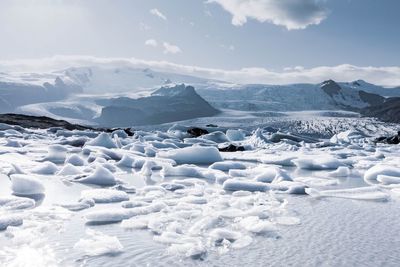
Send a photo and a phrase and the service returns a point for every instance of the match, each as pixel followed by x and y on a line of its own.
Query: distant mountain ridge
pixel 59 94
pixel 167 104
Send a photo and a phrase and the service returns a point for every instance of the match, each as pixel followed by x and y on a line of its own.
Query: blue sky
pixel 226 34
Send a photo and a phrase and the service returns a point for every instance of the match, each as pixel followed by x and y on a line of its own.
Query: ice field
pixel 315 192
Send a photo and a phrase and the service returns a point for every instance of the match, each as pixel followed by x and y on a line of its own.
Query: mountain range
pixel 106 95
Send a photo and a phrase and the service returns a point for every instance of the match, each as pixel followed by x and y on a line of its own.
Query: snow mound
pixel 242 185
pixel 342 171
pixel 101 176
pixel 227 165
pixel 359 193
pixel 46 168
pixel 56 154
pixel 192 155
pixel 371 175
pixel 75 160
pixel 23 184
pixel 323 163
pixel 104 195
pixel 10 220
pixel 103 140
pixel 96 243
pixel 16 203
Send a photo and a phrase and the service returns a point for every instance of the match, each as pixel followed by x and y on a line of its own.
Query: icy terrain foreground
pixel 165 198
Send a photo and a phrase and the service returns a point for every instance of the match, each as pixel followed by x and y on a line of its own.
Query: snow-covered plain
pixel 307 191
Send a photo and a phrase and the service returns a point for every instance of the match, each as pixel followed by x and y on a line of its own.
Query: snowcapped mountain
pixel 167 104
pixel 21 89
pixel 102 80
pixel 81 94
pixel 327 95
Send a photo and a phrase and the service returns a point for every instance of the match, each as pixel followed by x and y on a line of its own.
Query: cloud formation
pixel 171 49
pixel 387 76
pixel 158 13
pixel 292 14
pixel 151 42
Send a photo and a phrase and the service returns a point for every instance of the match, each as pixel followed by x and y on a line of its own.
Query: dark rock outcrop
pixel 196 132
pixel 231 148
pixel 40 122
pixel 388 111
pixel 167 104
pixel 393 140
pixel 330 87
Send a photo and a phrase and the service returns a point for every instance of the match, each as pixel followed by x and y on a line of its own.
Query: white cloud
pixel 292 14
pixel 171 49
pixel 158 13
pixel 151 42
pixel 144 27
pixel 388 76
pixel 227 47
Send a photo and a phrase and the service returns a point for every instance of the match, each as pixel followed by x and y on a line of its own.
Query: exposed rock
pixel 167 104
pixel 231 148
pixel 331 87
pixel 388 111
pixel 393 140
pixel 41 122
pixel 196 132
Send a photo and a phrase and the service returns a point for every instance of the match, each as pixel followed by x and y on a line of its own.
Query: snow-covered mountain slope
pixel 293 97
pixel 371 88
pixel 56 94
pixel 22 89
pixel 97 79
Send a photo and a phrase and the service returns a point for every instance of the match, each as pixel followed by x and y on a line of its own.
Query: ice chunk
pixel 81 205
pixel 135 223
pixel 217 137
pixel 117 215
pixel 235 135
pixel 15 169
pixel 192 155
pixel 104 195
pixel 9 220
pixel 342 171
pixel 359 193
pixel 242 185
pixel 101 176
pixel 68 170
pixel 193 171
pixel 103 140
pixel 263 174
pixel 346 137
pixel 255 225
pixel 219 234
pixel 75 160
pixel 227 165
pixel 107 216
pixel 371 175
pixel 15 203
pixel 23 184
pixel 56 154
pixel 126 161
pixel 317 163
pixel 46 168
pixel 278 160
pixel 388 180
pixel 98 243
pixel 12 143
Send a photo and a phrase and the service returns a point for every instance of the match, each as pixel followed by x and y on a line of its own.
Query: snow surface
pixel 160 197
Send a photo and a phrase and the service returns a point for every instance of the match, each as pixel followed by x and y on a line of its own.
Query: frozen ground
pixel 317 192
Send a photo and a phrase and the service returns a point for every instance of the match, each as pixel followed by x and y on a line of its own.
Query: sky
pixel 277 36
